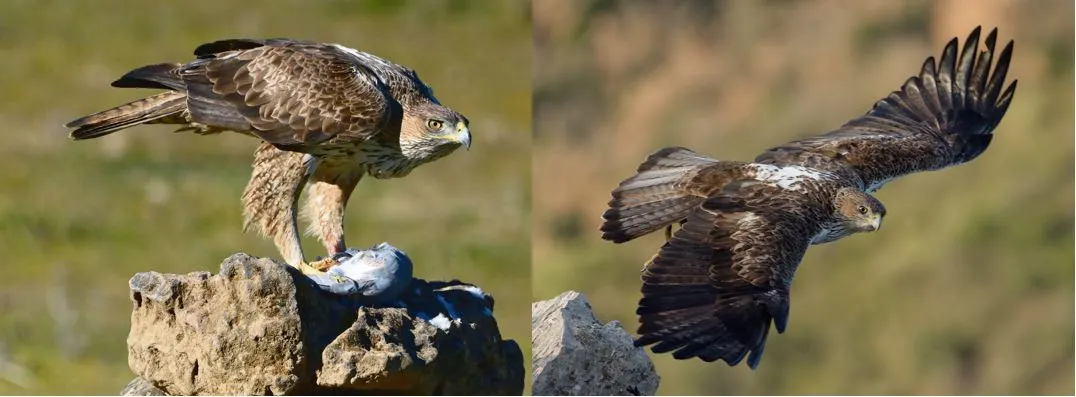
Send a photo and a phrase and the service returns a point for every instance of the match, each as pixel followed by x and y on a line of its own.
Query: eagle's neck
pixel 384 161
pixel 830 232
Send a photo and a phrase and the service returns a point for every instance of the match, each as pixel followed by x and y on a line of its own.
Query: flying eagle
pixel 716 285
pixel 327 115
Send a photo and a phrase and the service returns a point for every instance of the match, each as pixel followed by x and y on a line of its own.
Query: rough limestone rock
pixel 262 328
pixel 576 355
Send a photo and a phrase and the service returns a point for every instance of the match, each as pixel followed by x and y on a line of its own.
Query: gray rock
pixel 141 387
pixel 574 354
pixel 261 327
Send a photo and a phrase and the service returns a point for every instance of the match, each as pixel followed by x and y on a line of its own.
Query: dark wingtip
pixel 611 229
pixel 87 133
pixel 149 76
pixel 81 126
pixel 615 237
pixel 953 44
pixel 929 68
pixel 219 46
pixel 753 360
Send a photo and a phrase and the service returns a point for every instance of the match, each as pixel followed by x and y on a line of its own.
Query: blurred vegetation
pixel 77 219
pixel 969 287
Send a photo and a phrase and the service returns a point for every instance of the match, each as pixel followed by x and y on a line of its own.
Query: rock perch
pixel 262 328
pixel 575 355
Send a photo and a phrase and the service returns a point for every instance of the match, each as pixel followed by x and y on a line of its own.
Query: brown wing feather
pixel 662 191
pixel 714 289
pixel 943 117
pixel 293 94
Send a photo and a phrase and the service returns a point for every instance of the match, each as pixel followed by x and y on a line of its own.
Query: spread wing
pixel 715 287
pixel 293 94
pixel 943 117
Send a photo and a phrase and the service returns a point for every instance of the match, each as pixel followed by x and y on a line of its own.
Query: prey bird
pixel 326 115
pixel 720 281
pixel 375 276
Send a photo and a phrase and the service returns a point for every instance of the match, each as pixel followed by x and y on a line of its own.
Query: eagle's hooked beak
pixel 463 135
pixel 876 222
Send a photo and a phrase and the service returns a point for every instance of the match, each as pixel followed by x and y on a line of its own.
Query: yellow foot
pixel 333 283
pixel 308 268
pixel 324 265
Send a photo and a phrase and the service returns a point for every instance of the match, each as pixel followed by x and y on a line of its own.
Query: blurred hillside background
pixel 77 219
pixel 968 289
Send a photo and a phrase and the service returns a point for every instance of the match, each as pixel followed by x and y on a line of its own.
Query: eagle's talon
pixel 333 283
pixel 325 264
pixel 307 268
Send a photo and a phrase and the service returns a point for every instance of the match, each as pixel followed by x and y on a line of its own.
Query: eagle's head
pixel 859 211
pixel 430 131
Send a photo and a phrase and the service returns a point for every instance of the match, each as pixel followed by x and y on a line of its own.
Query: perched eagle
pixel 716 285
pixel 327 115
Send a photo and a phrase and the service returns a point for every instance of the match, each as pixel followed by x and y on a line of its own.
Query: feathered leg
pixel 271 203
pixel 271 200
pixel 327 197
pixel 272 195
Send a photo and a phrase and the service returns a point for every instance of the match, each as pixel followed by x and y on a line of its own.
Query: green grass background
pixel 77 219
pixel 967 289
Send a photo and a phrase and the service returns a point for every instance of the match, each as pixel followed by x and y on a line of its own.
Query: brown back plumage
pixel 290 93
pixel 296 95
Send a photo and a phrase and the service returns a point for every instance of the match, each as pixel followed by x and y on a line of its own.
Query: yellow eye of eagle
pixel 434 124
pixel 863 210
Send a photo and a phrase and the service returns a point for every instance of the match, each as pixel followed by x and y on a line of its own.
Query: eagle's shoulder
pixel 403 81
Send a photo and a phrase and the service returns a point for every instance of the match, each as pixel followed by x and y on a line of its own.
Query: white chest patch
pixel 785 177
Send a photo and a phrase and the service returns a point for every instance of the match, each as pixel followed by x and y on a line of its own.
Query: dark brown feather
pixel 943 117
pixel 294 94
pixel 275 90
pixel 714 289
pixel 666 187
pixel 162 75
